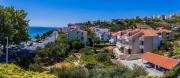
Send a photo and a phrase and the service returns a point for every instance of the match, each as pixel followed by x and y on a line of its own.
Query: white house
pixel 103 34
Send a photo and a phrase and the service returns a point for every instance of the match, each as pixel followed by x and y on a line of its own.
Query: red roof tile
pixel 160 60
pixel 92 28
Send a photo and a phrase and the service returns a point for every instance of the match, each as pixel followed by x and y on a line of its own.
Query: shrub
pixel 103 57
pixel 172 73
pixel 13 71
pixel 71 73
pixel 88 59
pixel 87 51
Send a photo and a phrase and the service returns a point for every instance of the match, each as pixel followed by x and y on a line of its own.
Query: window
pixel 82 38
pixel 134 40
pixel 159 33
pixel 142 42
pixel 167 35
pixel 129 51
pixel 129 34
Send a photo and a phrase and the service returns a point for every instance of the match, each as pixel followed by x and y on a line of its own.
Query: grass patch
pixel 61 37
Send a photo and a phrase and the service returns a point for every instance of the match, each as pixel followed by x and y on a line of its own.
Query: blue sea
pixel 34 31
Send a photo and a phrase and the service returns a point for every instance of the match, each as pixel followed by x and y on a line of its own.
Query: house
pixel 160 62
pixel 75 26
pixel 78 34
pixel 164 33
pixel 113 39
pixel 103 34
pixel 133 41
pixel 64 29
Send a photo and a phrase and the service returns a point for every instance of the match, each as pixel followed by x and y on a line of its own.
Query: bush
pixel 172 73
pixel 76 44
pixel 138 71
pixel 88 59
pixel 51 53
pixel 13 71
pixel 103 57
pixel 71 73
pixel 87 51
pixel 36 67
pixel 117 71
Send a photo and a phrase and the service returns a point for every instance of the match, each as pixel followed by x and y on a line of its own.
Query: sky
pixel 61 12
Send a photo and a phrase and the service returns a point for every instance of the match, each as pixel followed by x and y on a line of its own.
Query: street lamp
pixel 7 50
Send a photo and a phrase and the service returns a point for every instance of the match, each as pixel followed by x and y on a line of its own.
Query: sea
pixel 34 31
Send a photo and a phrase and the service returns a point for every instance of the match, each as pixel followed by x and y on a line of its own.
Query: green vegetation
pixel 43 36
pixel 61 37
pixel 172 73
pixel 51 53
pixel 110 72
pixel 69 59
pixel 13 25
pixel 13 71
pixel 103 57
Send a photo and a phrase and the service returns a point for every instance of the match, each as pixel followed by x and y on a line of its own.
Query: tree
pixel 51 53
pixel 93 38
pixel 14 25
pixel 76 44
pixel 38 37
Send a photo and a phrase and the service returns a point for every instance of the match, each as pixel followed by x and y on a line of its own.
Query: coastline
pixel 33 31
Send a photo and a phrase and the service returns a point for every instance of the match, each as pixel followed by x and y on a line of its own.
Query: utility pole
pixel 7 46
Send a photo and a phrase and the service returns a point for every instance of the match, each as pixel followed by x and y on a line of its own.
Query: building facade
pixel 133 41
pixel 77 35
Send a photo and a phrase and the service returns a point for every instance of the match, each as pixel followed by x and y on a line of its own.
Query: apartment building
pixel 133 41
pixel 104 36
pixel 76 32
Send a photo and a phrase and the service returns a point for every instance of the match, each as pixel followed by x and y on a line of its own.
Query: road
pixel 44 42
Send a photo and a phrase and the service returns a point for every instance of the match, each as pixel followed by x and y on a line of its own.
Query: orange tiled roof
pixel 163 30
pixel 92 28
pixel 149 32
pixel 162 61
pixel 146 32
pixel 114 34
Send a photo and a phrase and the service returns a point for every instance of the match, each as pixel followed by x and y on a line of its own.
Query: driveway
pixel 139 62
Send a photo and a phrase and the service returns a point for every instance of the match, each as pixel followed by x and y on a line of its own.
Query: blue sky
pixel 62 12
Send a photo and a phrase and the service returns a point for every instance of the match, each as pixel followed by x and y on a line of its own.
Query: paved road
pixel 44 42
